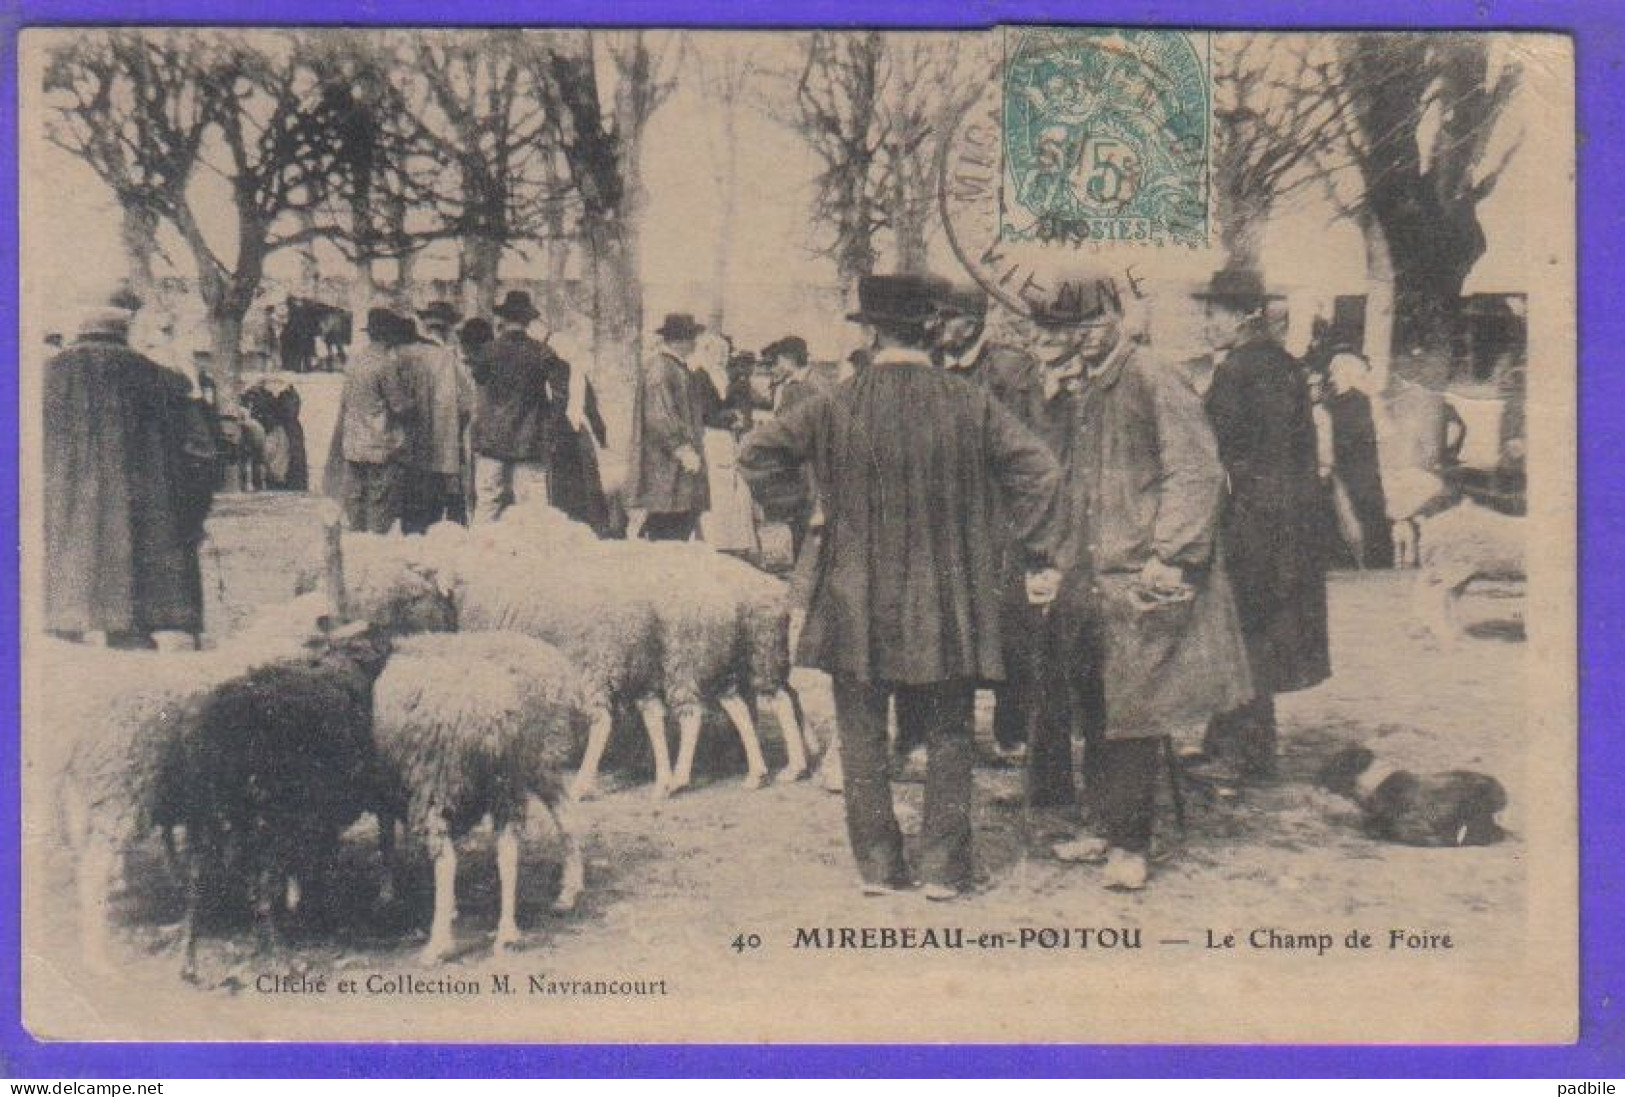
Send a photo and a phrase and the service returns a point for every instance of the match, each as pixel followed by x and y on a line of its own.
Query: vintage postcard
pixel 1037 534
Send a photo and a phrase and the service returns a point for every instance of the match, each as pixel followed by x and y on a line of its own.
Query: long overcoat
pixel 666 417
pixel 129 477
pixel 1144 481
pixel 909 460
pixel 1260 409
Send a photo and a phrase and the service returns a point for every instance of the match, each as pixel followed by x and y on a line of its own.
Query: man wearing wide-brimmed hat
pixel 1145 623
pixel 667 478
pixel 129 477
pixel 443 393
pixel 523 392
pixel 909 460
pixel 374 413
pixel 1261 412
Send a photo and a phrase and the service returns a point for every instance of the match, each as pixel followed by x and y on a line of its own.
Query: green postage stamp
pixel 1106 135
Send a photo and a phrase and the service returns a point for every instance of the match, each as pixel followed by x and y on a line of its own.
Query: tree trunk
pixel 481 258
pixel 728 189
pixel 912 254
pixel 225 344
pixel 406 269
pixel 139 234
pixel 364 289
pixel 615 302
pixel 1379 294
pixel 310 272
pixel 1242 223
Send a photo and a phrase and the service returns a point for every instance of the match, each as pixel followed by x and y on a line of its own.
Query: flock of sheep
pixel 432 682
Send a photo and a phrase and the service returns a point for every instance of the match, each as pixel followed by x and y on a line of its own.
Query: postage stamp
pixel 1105 135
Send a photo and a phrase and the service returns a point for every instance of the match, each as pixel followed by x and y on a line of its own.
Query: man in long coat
pixel 667 478
pixel 905 600
pixel 1016 379
pixel 374 411
pixel 129 478
pixel 443 394
pixel 1145 586
pixel 1260 409
pixel 520 413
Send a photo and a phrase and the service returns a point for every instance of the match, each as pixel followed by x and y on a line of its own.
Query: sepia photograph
pixel 1025 535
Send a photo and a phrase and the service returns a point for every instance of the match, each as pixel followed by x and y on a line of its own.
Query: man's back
pixel 376 402
pixel 441 394
pixel 910 460
pixel 128 480
pixel 519 382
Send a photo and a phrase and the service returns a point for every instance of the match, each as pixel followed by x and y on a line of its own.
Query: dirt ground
pixel 673 885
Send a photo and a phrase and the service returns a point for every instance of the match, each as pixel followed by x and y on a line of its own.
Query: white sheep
pixel 587 611
pixel 475 725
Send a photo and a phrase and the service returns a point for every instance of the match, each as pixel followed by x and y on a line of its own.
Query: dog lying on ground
pixel 1456 808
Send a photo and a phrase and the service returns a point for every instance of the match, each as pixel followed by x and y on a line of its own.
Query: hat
pixel 963 300
pixel 517 307
pixel 791 346
pixel 679 325
pixel 901 298
pixel 384 325
pixel 439 312
pixel 106 320
pixel 1236 287
pixel 1078 303
pixel 110 315
pixel 476 331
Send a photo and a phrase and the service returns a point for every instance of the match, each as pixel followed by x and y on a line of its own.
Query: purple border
pixel 1599 30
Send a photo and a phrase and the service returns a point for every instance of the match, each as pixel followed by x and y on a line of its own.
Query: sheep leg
pixel 784 710
pixel 386 854
pixel 269 888
pixel 739 712
pixel 97 862
pixel 444 851
pixel 508 882
pixel 574 878
pixel 194 899
pixel 653 711
pixel 690 717
pixel 585 785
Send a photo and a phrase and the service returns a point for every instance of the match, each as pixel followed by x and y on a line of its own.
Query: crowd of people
pixel 1128 547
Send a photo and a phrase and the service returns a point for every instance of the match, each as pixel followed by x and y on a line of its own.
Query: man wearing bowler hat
pixel 1145 612
pixel 523 391
pixel 1261 414
pixel 906 600
pixel 667 478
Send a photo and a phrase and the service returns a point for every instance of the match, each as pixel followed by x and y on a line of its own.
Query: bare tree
pixel 868 105
pixel 253 112
pixel 602 148
pixel 1276 114
pixel 726 72
pixel 836 111
pixel 477 113
pixel 1424 113
pixel 125 104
